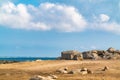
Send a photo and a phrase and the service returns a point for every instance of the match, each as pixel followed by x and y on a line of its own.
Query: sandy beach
pixel 25 70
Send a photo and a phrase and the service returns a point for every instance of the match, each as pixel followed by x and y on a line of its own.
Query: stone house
pixel 71 55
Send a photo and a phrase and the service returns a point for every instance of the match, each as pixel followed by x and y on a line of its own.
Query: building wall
pixel 70 55
pixel 67 56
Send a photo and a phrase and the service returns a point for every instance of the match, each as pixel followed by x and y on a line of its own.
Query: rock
pixel 65 72
pixel 108 56
pixel 117 52
pixel 66 68
pixel 111 50
pixel 37 77
pixel 90 55
pixel 89 71
pixel 7 61
pixel 84 69
pixel 62 71
pixel 49 78
pixel 95 56
pixel 87 55
pixel 94 51
pixel 105 68
pixel 53 76
pixel 84 72
pixel 74 71
pixel 78 57
pixel 38 60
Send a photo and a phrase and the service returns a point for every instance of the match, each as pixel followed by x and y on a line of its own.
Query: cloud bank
pixel 50 16
pixel 102 22
pixel 46 16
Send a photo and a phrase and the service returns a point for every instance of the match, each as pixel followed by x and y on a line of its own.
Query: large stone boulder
pixel 53 76
pixel 87 55
pixel 78 57
pixel 111 53
pixel 62 70
pixel 84 71
pixel 89 71
pixel 105 68
pixel 90 54
pixel 38 77
pixel 111 50
pixel 94 51
pixel 117 52
pixel 108 55
pixel 76 71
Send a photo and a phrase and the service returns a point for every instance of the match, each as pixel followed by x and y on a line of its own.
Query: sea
pixel 21 59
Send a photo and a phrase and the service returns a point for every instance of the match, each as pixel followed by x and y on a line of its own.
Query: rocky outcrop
pixel 111 50
pixel 111 53
pixel 7 62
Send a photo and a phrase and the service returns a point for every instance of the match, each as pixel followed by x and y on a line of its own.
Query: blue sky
pixel 44 28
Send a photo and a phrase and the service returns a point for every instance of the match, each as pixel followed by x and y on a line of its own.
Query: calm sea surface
pixel 26 58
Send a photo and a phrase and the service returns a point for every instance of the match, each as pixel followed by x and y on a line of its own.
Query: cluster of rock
pixel 111 53
pixel 75 71
pixel 82 71
pixel 65 70
pixel 6 61
pixel 38 77
pixel 62 70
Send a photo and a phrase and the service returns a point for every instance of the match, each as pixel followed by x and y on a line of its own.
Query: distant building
pixel 71 55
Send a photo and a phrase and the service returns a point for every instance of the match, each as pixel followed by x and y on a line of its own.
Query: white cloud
pixel 110 27
pixel 102 23
pixel 104 18
pixel 101 18
pixel 47 16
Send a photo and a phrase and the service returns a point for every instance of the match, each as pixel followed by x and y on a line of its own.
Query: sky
pixel 45 28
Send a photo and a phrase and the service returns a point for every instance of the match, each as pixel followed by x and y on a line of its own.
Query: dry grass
pixel 24 70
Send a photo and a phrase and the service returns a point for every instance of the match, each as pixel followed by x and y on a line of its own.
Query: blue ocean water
pixel 26 58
